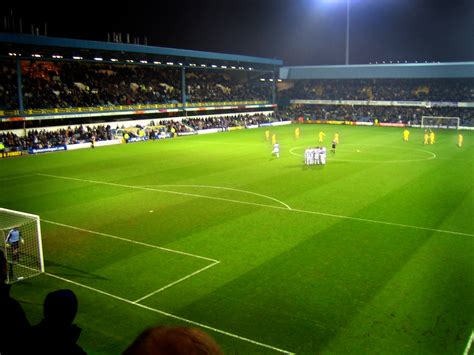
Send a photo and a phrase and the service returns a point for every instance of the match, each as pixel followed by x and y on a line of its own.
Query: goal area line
pixel 166 314
pixel 214 262
pixel 173 316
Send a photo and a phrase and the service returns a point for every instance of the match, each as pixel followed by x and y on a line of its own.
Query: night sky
pixel 301 32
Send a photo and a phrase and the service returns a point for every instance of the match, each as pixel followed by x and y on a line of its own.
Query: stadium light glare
pixel 143 61
pixel 36 55
pixel 157 63
pixel 114 60
pixel 77 58
pixel 57 56
pixel 262 79
pixel 214 66
pixel 279 80
pixel 233 67
pixel 203 65
pixel 98 59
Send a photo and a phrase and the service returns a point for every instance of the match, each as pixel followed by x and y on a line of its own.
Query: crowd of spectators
pixel 48 85
pixel 8 87
pixel 227 121
pixel 37 139
pixel 221 86
pixel 74 84
pixel 454 90
pixel 411 115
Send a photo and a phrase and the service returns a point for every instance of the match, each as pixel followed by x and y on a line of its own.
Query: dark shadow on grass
pixel 77 272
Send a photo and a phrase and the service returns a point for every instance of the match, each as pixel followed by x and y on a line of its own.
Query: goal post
pixel 21 243
pixel 440 122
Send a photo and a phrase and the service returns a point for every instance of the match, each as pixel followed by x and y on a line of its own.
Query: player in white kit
pixel 276 150
pixel 322 155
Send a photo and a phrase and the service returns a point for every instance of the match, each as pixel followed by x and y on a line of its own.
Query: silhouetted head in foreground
pixel 176 341
pixel 60 307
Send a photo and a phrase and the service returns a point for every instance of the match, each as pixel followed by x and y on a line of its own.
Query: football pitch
pixel 371 254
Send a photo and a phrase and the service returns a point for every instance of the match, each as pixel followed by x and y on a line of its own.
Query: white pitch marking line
pixel 275 207
pixel 230 189
pixel 131 241
pixel 158 190
pixel 469 344
pixel 16 177
pixel 383 222
pixel 169 315
pixel 176 282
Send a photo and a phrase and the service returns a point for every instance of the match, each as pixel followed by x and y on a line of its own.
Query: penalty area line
pixel 170 315
pixel 469 344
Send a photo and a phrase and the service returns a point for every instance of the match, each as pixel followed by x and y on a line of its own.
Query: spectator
pixel 175 341
pixel 13 323
pixel 56 334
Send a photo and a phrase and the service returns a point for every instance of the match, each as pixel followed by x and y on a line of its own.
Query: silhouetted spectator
pixel 173 341
pixel 56 334
pixel 13 322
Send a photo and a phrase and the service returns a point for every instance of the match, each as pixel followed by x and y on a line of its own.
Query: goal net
pixel 21 244
pixel 440 122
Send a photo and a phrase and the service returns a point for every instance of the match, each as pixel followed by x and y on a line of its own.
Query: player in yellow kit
pixel 297 133
pixel 406 135
pixel 432 137
pixel 267 135
pixel 460 139
pixel 426 138
pixel 274 139
pixel 321 136
pixel 336 137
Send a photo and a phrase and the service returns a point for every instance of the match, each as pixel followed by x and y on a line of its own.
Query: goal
pixel 21 244
pixel 440 122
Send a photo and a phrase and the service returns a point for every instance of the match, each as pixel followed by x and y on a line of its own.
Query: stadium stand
pixel 455 90
pixel 98 85
pixel 393 93
pixel 69 84
pixel 400 114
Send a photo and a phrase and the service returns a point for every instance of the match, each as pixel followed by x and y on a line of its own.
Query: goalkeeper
pixel 13 241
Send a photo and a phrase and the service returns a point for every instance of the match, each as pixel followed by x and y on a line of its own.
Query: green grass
pixel 371 254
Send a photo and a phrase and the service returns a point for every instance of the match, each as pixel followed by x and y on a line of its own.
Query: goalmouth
pixel 440 122
pixel 21 243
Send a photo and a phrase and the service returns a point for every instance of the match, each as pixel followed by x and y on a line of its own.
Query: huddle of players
pixel 315 156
